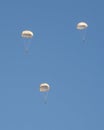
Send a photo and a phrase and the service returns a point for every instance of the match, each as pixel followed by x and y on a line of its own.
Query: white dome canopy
pixel 82 25
pixel 44 87
pixel 27 34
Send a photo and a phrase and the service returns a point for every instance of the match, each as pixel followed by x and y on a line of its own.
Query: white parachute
pixel 27 35
pixel 44 87
pixel 82 26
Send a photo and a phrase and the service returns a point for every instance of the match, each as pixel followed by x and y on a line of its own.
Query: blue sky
pixel 57 55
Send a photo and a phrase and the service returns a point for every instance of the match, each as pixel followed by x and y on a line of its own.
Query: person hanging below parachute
pixel 44 88
pixel 27 35
pixel 82 26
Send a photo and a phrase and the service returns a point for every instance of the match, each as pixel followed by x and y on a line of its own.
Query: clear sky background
pixel 73 69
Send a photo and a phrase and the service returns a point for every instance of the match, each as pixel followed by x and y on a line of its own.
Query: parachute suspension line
pixel 84 35
pixel 27 45
pixel 45 97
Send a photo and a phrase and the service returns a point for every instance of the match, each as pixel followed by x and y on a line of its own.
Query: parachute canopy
pixel 82 25
pixel 44 87
pixel 27 34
